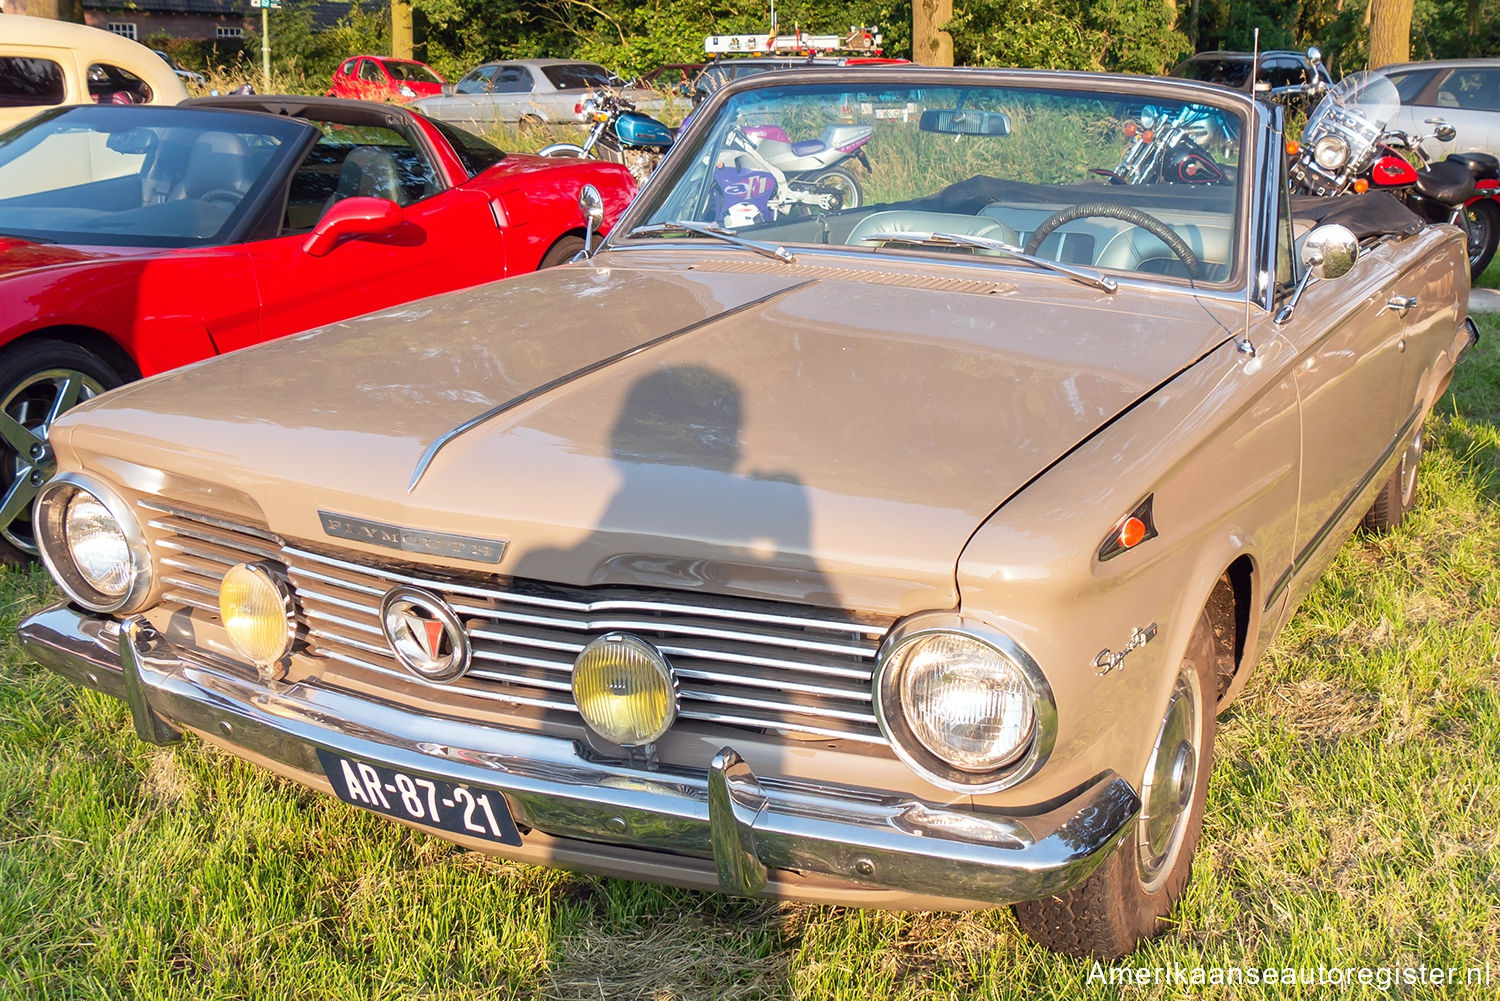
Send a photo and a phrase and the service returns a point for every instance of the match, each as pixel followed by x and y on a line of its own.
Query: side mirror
pixel 352 217
pixel 1314 55
pixel 1328 252
pixel 1441 130
pixel 591 207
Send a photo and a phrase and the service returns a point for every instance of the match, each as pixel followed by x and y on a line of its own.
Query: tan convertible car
pixel 900 556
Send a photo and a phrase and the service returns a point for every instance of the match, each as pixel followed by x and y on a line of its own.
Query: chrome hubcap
pixel 1171 781
pixel 26 415
pixel 1411 459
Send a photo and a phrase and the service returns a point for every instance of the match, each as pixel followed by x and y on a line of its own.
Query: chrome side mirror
pixel 591 207
pixel 1314 54
pixel 1328 252
pixel 1442 131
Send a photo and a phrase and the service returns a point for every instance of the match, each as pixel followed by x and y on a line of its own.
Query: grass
pixel 1353 820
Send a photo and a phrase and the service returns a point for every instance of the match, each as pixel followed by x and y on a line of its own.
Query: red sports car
pixel 381 78
pixel 138 239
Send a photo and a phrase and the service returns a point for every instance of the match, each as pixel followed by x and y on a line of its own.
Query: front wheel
pixel 1128 897
pixel 851 195
pixel 562 149
pixel 39 380
pixel 1484 233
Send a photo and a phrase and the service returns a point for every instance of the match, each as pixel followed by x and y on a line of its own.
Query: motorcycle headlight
pixel 92 544
pixel 1331 153
pixel 962 704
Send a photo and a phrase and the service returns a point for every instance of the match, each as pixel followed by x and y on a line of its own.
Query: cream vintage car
pixel 897 557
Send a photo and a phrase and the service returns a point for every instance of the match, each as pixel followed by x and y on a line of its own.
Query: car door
pixel 470 100
pixel 1469 99
pixel 1349 374
pixel 512 89
pixel 449 239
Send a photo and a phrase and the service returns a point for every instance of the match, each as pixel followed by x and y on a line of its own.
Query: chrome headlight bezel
pixel 1331 152
pixel 890 712
pixel 49 515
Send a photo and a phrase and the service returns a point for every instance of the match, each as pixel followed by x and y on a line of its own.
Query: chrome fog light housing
pixel 91 542
pixel 1331 152
pixel 962 704
pixel 625 690
pixel 258 611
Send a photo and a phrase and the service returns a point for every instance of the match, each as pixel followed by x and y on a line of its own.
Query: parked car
pixel 44 63
pixel 726 70
pixel 902 556
pixel 1465 93
pixel 380 78
pixel 531 91
pixel 183 73
pixel 1278 68
pixel 134 240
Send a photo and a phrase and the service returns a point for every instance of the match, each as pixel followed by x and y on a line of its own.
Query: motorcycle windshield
pixel 1367 97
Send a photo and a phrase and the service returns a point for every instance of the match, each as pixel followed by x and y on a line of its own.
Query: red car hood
pixel 18 255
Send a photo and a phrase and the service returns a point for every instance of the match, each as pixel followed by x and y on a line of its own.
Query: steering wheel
pixel 1125 213
pixel 221 195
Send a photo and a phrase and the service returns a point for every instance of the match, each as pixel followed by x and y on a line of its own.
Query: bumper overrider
pixel 721 828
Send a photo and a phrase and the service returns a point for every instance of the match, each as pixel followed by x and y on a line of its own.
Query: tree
pixel 1390 32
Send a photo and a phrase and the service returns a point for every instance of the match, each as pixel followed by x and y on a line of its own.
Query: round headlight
pixel 256 606
pixel 965 702
pixel 97 545
pixel 962 704
pixel 625 690
pixel 1331 152
pixel 92 544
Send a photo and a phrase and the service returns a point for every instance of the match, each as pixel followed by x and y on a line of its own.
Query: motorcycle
pixel 620 134
pixel 773 176
pixel 1347 146
pixel 1174 148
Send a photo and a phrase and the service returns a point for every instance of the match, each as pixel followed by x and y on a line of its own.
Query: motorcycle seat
pixel 809 147
pixel 1484 166
pixel 1448 182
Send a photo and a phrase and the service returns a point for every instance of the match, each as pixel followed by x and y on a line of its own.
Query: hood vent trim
pixel 896 279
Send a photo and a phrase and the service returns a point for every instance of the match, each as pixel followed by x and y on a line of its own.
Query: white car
pixel 44 63
pixel 1465 93
pixel 528 90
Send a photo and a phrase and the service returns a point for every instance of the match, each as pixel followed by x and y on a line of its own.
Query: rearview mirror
pixel 132 142
pixel 965 122
pixel 352 217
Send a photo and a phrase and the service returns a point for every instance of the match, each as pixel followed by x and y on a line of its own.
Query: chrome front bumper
pixel 722 827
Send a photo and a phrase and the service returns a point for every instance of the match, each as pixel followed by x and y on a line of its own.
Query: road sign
pixel 268 4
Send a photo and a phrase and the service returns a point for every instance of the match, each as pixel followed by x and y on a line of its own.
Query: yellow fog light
pixel 625 689
pixel 256 606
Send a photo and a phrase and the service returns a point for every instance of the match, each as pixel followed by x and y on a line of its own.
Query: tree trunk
pixel 401 35
pixel 930 45
pixel 1390 32
pixel 61 10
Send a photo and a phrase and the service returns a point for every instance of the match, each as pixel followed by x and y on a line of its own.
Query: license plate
pixel 429 802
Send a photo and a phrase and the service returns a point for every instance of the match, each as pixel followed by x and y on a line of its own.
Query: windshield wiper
pixel 1086 275
pixel 718 233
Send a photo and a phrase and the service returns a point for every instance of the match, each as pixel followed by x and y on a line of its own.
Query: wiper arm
pixel 1086 275
pixel 718 233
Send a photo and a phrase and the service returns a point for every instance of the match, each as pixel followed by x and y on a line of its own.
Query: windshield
pixel 1102 180
pixel 579 76
pixel 411 71
pixel 153 177
pixel 1362 104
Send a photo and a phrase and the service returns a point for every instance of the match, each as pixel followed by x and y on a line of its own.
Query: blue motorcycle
pixel 620 134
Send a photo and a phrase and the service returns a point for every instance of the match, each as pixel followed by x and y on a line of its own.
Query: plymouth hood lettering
pixel 766 433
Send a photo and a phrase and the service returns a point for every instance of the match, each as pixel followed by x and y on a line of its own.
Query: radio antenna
pixel 1245 345
pixel 1254 63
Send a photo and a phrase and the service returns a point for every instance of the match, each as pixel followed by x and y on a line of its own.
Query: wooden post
pixel 401 32
pixel 930 45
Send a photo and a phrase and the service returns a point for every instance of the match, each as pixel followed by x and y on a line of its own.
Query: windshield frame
pixel 1248 205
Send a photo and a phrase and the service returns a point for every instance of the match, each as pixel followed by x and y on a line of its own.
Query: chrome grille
pixel 739 663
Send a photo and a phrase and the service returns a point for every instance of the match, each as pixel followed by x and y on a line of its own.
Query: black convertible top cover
pixel 1374 213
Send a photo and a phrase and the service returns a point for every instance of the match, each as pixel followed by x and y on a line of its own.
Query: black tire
pixel 1483 220
pixel 847 183
pixel 1398 495
pixel 39 379
pixel 561 252
pixel 1129 896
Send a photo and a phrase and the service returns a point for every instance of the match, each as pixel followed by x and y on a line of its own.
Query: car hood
pixel 19 255
pixel 823 434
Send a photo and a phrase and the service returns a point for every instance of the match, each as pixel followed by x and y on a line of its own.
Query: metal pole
pixel 265 46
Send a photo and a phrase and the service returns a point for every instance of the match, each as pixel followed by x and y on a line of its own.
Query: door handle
pixel 1400 303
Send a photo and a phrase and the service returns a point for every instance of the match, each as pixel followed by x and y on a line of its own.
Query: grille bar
pixel 740 663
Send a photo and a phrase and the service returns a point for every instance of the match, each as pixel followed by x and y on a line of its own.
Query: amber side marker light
pixel 1293 147
pixel 1130 531
pixel 1361 186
